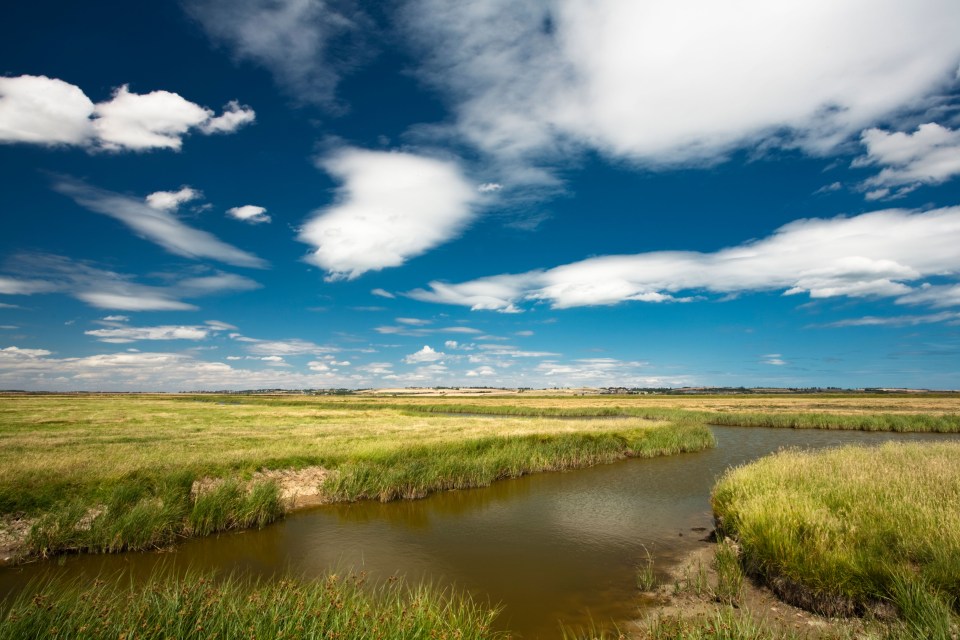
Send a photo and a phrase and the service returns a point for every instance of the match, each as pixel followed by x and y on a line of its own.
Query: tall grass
pixel 850 529
pixel 143 517
pixel 415 471
pixel 201 606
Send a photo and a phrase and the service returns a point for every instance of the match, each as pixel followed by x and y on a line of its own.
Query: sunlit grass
pixel 203 606
pixel 115 473
pixel 850 529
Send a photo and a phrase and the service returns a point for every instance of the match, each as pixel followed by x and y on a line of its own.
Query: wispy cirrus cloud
pixel 950 317
pixel 306 44
pixel 33 274
pixel 391 207
pixel 52 112
pixel 121 335
pixel 157 225
pixel 876 254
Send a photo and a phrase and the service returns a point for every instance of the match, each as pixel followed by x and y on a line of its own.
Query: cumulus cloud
pixel 49 111
pixel 929 155
pixel 661 82
pixel 426 354
pixel 873 254
pixel 249 213
pixel 392 207
pixel 31 273
pixel 41 110
pixel 171 200
pixel 305 44
pixel 157 225
pixel 164 332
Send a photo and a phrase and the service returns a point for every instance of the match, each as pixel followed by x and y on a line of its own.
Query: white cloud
pixel 601 372
pixel 249 213
pixel 513 352
pixel 774 359
pixel 670 82
pixel 490 187
pixel 158 226
pixel 416 322
pixel 164 332
pixel 383 293
pixel 171 200
pixel 33 369
pixel 481 372
pixel 292 347
pixel 930 155
pixel 392 207
pixel 936 296
pixel 898 321
pixel 117 318
pixel 873 254
pixel 41 273
pixel 422 331
pixel 233 117
pixel 220 326
pixel 48 111
pixel 425 355
pixel 291 38
pixel 41 110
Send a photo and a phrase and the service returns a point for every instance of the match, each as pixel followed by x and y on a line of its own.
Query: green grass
pixel 726 562
pixel 414 472
pixel 129 463
pixel 202 606
pixel 853 529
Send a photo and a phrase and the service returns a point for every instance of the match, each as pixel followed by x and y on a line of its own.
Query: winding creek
pixel 547 547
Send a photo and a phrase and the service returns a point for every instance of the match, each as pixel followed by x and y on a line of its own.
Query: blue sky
pixel 299 193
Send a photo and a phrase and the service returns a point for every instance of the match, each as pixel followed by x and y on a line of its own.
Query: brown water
pixel 549 547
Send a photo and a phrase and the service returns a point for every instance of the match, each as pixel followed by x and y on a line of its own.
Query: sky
pixel 554 193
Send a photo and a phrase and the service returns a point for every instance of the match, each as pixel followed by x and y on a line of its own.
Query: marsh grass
pixel 726 563
pixel 724 624
pixel 201 606
pixel 646 577
pixel 415 471
pixel 109 474
pixel 150 517
pixel 853 530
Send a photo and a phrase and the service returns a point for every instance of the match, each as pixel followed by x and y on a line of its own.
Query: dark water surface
pixel 548 547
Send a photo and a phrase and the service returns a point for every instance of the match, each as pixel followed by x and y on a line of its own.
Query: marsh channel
pixel 548 548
